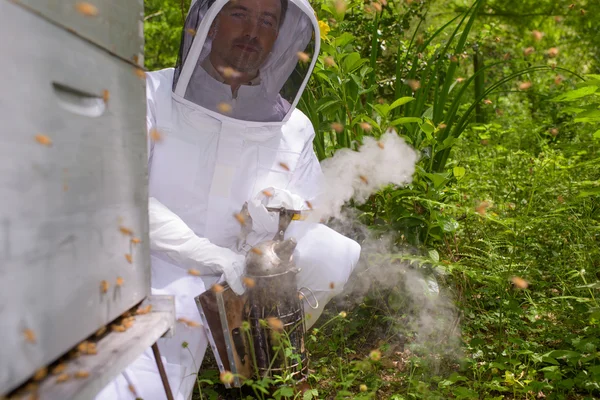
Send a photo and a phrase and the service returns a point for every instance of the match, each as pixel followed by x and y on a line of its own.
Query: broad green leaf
pixel 576 94
pixel 563 354
pixel 434 255
pixel 405 120
pixel 459 172
pixel 448 224
pixel 401 101
pixel 343 39
pixel 427 127
pixel 597 134
pixel 311 394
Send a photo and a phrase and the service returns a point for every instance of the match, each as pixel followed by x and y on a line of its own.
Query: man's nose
pixel 250 27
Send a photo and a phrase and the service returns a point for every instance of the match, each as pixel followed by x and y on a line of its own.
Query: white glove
pixel 265 224
pixel 171 239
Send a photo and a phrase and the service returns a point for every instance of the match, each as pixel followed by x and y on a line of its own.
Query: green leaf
pixel 284 391
pixel 597 134
pixel 566 354
pixel 427 127
pixel 434 255
pixel 401 101
pixel 575 94
pixel 459 172
pixel 311 394
pixel 405 120
pixel 343 39
pixel 326 103
pixel 448 224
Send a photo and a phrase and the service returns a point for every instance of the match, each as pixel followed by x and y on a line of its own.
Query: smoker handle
pixel 305 297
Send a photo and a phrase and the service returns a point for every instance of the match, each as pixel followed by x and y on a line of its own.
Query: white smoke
pixel 358 174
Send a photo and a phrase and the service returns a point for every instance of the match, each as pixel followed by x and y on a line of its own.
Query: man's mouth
pixel 247 48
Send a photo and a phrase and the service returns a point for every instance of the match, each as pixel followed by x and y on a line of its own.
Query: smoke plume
pixel 419 304
pixel 358 174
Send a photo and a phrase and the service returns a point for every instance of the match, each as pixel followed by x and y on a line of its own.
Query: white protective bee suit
pixel 210 161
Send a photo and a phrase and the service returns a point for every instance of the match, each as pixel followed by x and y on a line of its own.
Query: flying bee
pixel 87 9
pixel 29 336
pixel 43 140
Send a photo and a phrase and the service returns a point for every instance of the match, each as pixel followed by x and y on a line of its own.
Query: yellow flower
pixel 324 28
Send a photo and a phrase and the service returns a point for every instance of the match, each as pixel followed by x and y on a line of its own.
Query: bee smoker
pixel 261 332
pixel 274 305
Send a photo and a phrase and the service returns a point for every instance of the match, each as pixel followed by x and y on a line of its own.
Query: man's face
pixel 244 32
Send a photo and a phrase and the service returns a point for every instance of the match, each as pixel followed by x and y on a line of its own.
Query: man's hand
pixel 234 273
pixel 265 224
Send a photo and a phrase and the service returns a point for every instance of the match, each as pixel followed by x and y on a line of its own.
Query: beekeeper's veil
pixel 267 47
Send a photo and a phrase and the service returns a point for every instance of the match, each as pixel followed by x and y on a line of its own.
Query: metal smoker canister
pixel 274 310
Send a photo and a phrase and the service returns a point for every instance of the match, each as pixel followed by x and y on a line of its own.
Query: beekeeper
pixel 224 132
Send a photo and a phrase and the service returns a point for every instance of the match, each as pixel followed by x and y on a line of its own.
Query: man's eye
pixel 238 15
pixel 267 23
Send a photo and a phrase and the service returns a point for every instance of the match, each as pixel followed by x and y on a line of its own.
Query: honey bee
pixel 284 166
pixel 129 258
pixel 155 135
pixel 267 193
pixel 30 336
pixel 229 72
pixel 58 369
pixel 519 282
pixel 128 322
pixel 366 126
pixel 136 240
pixel 217 288
pixel 117 328
pixel 132 390
pixel 249 282
pixel 193 272
pixel 43 140
pixel 414 84
pixel 309 205
pixel 87 9
pixel 302 56
pixel 364 179
pixel 104 285
pixel 224 108
pixel 338 127
pixel 83 346
pixel 256 250
pixel 482 207
pixel 240 218
pixel 105 95
pixel 380 145
pixel 100 331
pixel 275 324
pixel 525 85
pixel 188 322
pixel 331 285
pixel 91 349
pixel 40 374
pixel 119 281
pixel 62 378
pixel 145 310
pixel 125 230
pixel 81 374
pixel 140 73
pixel 191 31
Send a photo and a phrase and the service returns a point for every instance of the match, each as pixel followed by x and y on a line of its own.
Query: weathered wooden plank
pixel 114 353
